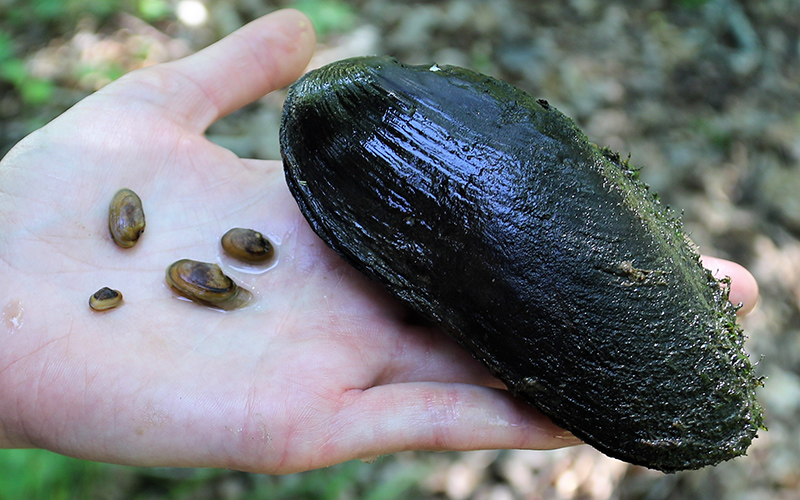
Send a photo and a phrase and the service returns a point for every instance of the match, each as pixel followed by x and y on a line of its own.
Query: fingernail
pixel 567 438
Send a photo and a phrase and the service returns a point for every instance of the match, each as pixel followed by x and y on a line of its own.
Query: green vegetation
pixel 37 474
pixel 328 15
pixel 24 13
pixel 33 91
pixel 34 474
pixel 24 25
pixel 54 52
pixel 691 4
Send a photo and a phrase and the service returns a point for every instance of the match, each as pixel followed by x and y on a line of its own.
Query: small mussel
pixel 247 245
pixel 206 284
pixel 105 298
pixel 126 218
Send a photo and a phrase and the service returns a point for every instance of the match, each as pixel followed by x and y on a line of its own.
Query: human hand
pixel 321 369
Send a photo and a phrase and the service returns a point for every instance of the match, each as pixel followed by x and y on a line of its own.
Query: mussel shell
pixel 105 298
pixel 247 245
pixel 206 284
pixel 490 213
pixel 126 220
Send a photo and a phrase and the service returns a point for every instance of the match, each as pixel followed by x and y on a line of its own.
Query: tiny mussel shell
pixel 206 284
pixel 105 298
pixel 126 218
pixel 247 245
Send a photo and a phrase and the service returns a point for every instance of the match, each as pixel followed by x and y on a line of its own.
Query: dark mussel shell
pixel 490 213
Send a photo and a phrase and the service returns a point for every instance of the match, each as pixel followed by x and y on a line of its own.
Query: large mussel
pixel 490 213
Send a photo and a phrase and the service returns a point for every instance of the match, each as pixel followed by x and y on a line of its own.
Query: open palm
pixel 321 368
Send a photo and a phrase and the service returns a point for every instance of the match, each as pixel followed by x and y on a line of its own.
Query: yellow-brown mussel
pixel 247 245
pixel 126 218
pixel 206 284
pixel 105 298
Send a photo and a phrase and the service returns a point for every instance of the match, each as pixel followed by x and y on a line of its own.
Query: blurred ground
pixel 705 95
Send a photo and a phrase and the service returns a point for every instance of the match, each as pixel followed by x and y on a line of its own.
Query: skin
pixel 324 368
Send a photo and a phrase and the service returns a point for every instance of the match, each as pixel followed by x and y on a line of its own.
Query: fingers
pixel 265 55
pixel 744 289
pixel 427 354
pixel 435 416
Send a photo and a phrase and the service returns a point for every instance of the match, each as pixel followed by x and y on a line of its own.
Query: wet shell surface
pixel 126 218
pixel 105 298
pixel 490 213
pixel 247 245
pixel 206 284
